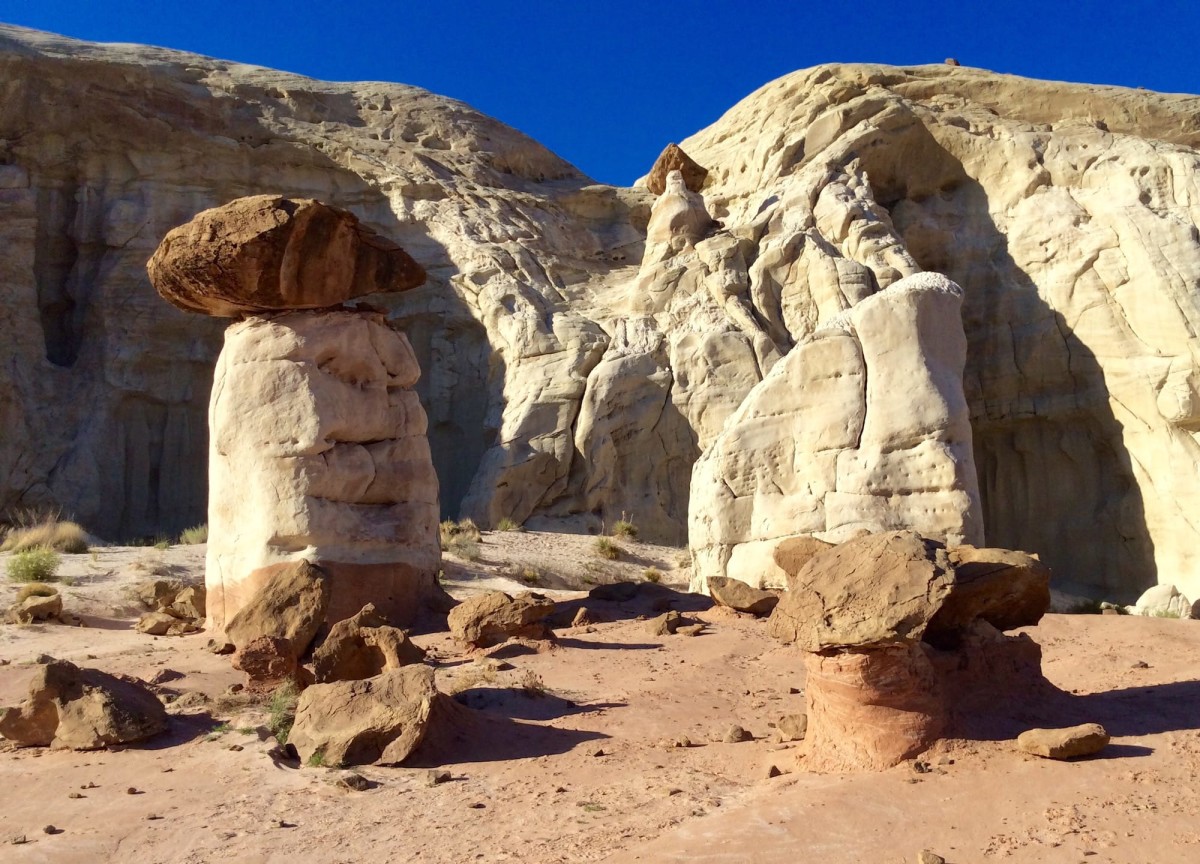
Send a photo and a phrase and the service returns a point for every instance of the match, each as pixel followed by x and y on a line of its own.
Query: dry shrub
pixel 624 528
pixel 460 539
pixel 62 536
pixel 35 589
pixel 194 536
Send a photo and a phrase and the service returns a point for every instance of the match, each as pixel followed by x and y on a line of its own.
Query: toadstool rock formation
pixel 902 636
pixel 318 453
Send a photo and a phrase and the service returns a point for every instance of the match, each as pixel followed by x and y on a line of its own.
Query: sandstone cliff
pixel 572 369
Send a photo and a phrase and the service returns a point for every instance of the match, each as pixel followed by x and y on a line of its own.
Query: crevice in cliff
pixel 55 257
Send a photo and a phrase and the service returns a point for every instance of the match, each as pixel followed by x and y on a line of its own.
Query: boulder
pixel 189 603
pixel 36 608
pixel 268 253
pixel 69 707
pixel 792 727
pixel 1162 601
pixel 318 443
pixel 362 647
pixel 290 603
pixel 379 720
pixel 792 553
pixel 1069 743
pixel 671 159
pixel 1006 588
pixel 736 594
pixel 879 589
pixel 158 594
pixel 268 661
pixel 486 619
pixel 166 624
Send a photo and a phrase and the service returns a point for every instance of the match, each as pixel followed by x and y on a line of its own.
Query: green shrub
pixel 162 544
pixel 531 576
pixel 605 548
pixel 282 711
pixel 507 524
pixel 650 574
pixel 66 537
pixel 624 528
pixel 34 565
pixel 194 536
pixel 464 547
pixel 35 589
pixel 463 530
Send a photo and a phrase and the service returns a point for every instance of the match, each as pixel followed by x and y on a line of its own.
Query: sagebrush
pixel 34 565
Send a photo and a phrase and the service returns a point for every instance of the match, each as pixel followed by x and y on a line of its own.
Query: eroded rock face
pixel 268 253
pixel 863 427
pixel 69 707
pixel 319 451
pixel 1078 272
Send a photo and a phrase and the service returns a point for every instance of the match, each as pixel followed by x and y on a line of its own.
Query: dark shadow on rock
pixel 181 729
pixel 458 734
pixel 1055 477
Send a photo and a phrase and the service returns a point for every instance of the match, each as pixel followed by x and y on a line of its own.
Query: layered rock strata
pixel 1067 213
pixel 902 638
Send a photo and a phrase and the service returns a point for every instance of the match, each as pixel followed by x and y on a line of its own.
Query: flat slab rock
pixel 486 619
pixel 1068 743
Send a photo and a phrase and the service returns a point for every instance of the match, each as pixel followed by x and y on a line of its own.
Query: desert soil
pixel 571 757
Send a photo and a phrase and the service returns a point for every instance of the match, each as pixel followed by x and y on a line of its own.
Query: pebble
pixel 437 777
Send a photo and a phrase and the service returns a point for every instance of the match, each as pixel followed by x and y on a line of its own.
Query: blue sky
pixel 607 85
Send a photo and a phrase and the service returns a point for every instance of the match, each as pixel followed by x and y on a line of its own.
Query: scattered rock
pixel 82 709
pixel 189 603
pixel 268 662
pixel 269 253
pixel 165 624
pixel 583 618
pixel 380 720
pixel 671 159
pixel 792 727
pixel 735 734
pixel 220 647
pixel 792 553
pixel 50 829
pixel 361 647
pixel 673 622
pixel 1162 601
pixel 289 604
pixel 36 608
pixel 1066 743
pixel 486 619
pixel 925 856
pixel 437 777
pixel 772 771
pixel 616 592
pixel 158 594
pixel 355 782
pixel 736 594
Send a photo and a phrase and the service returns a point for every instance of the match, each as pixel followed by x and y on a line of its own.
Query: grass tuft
pixel 650 574
pixel 606 548
pixel 282 711
pixel 194 536
pixel 507 524
pixel 624 528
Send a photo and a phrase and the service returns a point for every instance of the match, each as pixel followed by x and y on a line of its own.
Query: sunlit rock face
pixel 319 452
pixel 1066 213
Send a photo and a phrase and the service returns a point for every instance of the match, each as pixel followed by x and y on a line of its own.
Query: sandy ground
pixel 585 771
